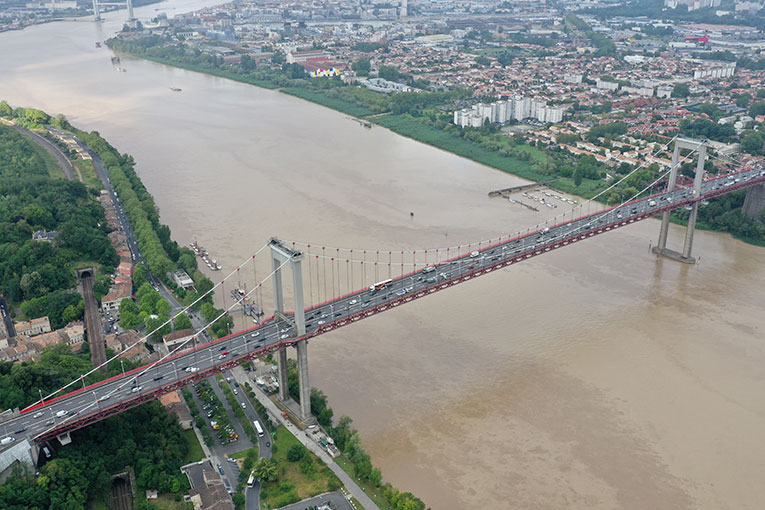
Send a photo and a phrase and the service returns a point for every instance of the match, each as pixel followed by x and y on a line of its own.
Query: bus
pixel 380 285
pixel 251 479
pixel 258 428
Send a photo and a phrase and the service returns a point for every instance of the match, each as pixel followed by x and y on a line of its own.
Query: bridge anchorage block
pixel 700 147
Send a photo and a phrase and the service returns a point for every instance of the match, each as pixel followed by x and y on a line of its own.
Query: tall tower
pixel 96 12
pixel 130 10
pixel 403 9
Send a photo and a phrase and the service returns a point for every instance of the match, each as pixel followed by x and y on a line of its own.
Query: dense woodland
pixel 146 439
pixel 37 274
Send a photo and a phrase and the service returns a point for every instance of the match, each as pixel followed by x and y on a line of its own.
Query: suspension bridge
pixel 384 280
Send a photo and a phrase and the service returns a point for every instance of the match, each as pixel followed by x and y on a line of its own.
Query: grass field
pixel 243 453
pixel 88 172
pixel 443 140
pixel 292 484
pixel 54 170
pixel 168 502
pixel 195 449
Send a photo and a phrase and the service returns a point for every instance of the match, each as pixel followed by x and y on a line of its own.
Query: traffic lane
pixel 524 244
pixel 264 442
pixel 252 497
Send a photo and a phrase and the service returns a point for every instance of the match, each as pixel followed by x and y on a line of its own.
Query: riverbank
pixel 429 125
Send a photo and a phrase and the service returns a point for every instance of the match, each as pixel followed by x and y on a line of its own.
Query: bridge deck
pixel 110 397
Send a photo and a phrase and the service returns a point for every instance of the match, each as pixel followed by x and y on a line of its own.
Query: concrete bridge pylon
pixel 281 257
pixel 700 147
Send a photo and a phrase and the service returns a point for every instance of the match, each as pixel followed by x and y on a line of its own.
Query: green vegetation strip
pixel 376 494
pixel 301 474
pixel 411 128
pixel 335 103
pixel 195 452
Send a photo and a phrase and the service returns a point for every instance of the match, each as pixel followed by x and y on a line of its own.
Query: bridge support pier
pixel 305 385
pixel 96 12
pixel 754 203
pixel 281 254
pixel 281 360
pixel 661 246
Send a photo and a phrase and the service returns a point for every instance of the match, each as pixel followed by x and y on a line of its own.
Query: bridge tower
pixel 96 11
pixel 661 248
pixel 279 255
pixel 754 203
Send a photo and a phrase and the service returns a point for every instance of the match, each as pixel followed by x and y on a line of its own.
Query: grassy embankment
pixel 195 452
pixel 243 453
pixel 54 169
pixel 340 105
pixel 88 172
pixel 374 493
pixel 421 132
pixel 293 484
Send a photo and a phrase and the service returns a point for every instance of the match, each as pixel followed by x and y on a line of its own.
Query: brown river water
pixel 593 377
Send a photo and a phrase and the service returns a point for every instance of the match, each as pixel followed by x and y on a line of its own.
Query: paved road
pixel 62 160
pixel 345 479
pixel 103 175
pixel 93 323
pixel 5 313
pixel 241 346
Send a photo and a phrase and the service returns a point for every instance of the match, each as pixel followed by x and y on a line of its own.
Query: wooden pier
pixel 507 191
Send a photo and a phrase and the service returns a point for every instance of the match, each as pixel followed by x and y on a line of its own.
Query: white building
pixel 692 4
pixel 517 108
pixel 182 279
pixel 718 70
pixel 639 91
pixel 610 86
pixel 663 92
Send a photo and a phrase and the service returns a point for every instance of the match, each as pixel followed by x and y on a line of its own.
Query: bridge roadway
pixel 112 396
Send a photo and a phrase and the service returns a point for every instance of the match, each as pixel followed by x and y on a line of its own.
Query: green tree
pixel 182 322
pixel 362 66
pixel 483 61
pixel 74 312
pixel 139 275
pixel 162 307
pixel 156 323
pixel 757 108
pixel 265 470
pixel 307 466
pixel 296 452
pixel 375 477
pixel 129 306
pixel 751 142
pixel 681 90
pixel 238 499
pixel 5 109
